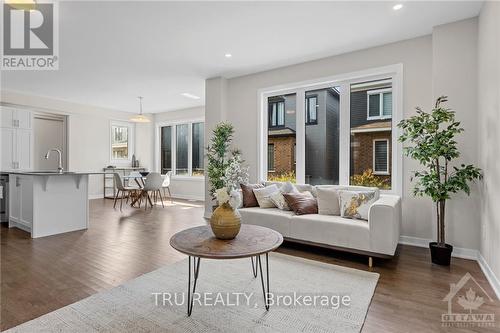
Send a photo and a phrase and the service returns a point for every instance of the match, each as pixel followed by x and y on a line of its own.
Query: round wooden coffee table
pixel 251 242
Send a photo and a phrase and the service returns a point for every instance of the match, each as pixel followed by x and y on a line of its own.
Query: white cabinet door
pixel 23 149
pixel 26 202
pixel 14 198
pixel 7 136
pixel 6 118
pixel 22 119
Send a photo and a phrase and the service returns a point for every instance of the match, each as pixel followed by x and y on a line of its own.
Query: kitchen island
pixel 47 203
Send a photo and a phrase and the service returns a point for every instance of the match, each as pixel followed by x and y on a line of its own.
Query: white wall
pixel 88 134
pixel 417 56
pixel 454 74
pixel 181 187
pixel 489 135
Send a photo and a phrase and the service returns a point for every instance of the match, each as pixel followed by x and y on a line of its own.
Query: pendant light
pixel 140 118
pixel 21 4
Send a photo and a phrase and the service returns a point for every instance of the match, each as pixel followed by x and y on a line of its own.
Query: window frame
pixel 157 154
pixel 387 171
pixel 277 102
pixel 379 92
pixel 308 121
pixel 130 142
pixel 394 73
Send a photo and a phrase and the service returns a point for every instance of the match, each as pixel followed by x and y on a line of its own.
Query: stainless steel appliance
pixel 4 197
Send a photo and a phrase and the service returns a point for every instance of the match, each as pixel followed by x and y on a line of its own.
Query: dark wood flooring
pixel 45 274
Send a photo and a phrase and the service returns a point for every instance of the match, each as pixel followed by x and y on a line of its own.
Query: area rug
pixel 337 300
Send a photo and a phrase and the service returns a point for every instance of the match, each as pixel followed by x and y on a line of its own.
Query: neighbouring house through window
pixel 182 149
pixel 270 157
pixel 350 142
pixel 281 136
pixel 379 104
pixel 277 114
pixel 312 110
pixel 381 156
pixel 121 142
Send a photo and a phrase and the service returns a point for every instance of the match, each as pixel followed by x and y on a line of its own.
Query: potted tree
pixel 225 174
pixel 431 142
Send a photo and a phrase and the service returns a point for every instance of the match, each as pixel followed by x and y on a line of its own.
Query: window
pixel 181 144
pixel 121 137
pixel 270 157
pixel 370 137
pixel 312 110
pixel 277 114
pixel 198 150
pixel 379 104
pixel 322 142
pixel 281 135
pixel 353 141
pixel 381 156
pixel 166 149
pixel 182 149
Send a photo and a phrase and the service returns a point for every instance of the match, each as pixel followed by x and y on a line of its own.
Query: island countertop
pixel 53 173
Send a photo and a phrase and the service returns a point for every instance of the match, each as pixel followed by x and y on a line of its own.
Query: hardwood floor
pixel 45 274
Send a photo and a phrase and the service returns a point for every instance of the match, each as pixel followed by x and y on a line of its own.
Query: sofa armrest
pixel 384 220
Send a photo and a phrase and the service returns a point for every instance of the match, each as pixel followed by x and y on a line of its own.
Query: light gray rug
pixel 131 307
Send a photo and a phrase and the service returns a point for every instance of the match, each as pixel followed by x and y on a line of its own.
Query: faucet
pixel 59 167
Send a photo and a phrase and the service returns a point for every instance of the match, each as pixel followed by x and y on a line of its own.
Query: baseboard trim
pixel 186 197
pixel 96 196
pixel 458 252
pixel 490 276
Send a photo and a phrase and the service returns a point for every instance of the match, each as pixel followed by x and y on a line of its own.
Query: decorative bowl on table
pixel 144 173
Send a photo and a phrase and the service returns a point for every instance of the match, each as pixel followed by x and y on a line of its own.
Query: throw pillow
pixel 356 204
pixel 263 194
pixel 279 201
pixel 249 199
pixel 301 203
pixel 288 188
pixel 328 201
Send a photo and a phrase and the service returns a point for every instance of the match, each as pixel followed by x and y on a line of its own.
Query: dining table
pixel 140 180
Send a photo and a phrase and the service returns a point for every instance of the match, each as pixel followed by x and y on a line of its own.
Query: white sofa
pixel 377 237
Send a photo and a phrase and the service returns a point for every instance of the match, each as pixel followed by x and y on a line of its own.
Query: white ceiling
pixel 112 52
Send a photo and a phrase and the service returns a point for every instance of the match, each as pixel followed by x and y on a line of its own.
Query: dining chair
pixel 123 189
pixel 153 183
pixel 166 185
pixel 135 181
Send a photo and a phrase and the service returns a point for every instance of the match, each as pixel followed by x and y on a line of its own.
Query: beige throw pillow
pixel 262 195
pixel 356 204
pixel 328 201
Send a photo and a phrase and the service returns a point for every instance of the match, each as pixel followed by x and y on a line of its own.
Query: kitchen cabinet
pixel 8 148
pixel 21 201
pixel 16 139
pixel 15 118
pixel 23 149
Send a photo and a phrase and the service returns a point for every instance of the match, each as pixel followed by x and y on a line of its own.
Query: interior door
pixel 48 133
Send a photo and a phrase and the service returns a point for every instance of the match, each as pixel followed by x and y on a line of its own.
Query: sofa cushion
pixel 249 199
pixel 328 201
pixel 273 218
pixel 356 204
pixel 301 203
pixel 263 194
pixel 331 230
